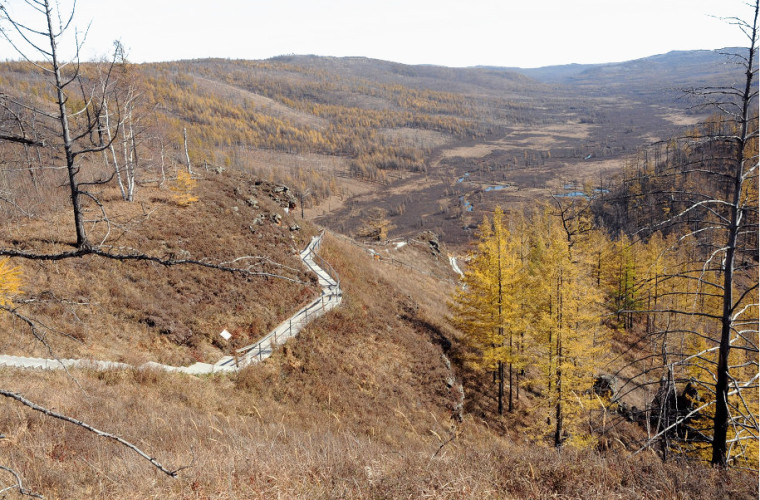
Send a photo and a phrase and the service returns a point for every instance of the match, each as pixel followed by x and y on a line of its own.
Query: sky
pixel 511 33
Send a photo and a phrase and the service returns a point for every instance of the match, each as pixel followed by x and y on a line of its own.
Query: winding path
pixel 455 266
pixel 330 298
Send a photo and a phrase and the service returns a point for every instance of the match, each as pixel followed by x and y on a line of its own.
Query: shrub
pixel 183 189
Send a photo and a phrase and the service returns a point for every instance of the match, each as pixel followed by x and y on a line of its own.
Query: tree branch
pixel 20 140
pixel 18 484
pixel 103 434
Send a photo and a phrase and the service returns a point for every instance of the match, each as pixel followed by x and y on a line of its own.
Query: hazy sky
pixel 525 33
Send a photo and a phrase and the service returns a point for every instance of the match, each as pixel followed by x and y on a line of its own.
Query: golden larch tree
pixel 183 188
pixel 567 335
pixel 10 282
pixel 485 308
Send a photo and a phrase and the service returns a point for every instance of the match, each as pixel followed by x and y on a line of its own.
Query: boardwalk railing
pixel 330 298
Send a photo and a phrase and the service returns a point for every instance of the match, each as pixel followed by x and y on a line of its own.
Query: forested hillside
pixel 312 122
pixel 600 338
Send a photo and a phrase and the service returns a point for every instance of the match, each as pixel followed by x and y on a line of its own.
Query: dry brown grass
pixel 343 412
pixel 137 311
pixel 357 407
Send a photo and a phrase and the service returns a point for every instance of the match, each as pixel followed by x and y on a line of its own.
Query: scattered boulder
pixel 678 405
pixel 670 410
pixel 175 331
pixel 432 240
pixel 630 413
pixel 435 246
pixel 605 386
pixel 287 200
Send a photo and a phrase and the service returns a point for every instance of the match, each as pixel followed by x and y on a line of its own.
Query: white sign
pixel 225 335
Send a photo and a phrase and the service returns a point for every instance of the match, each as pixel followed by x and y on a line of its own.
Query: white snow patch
pixel 454 266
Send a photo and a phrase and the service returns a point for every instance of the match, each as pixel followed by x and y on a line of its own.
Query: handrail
pixel 331 297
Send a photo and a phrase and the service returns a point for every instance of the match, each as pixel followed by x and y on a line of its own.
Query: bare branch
pixel 166 262
pixel 20 140
pixel 18 484
pixel 103 434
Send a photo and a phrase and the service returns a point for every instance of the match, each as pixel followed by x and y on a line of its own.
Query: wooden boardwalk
pixel 330 298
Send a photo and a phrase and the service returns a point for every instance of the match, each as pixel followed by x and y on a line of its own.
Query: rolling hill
pixel 676 69
pixel 379 397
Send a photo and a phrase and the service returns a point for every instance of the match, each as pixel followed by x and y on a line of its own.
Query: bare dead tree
pixel 110 131
pixel 724 207
pixel 703 192
pixel 86 118
pixel 187 153
pixel 77 132
pixel 123 94
pixel 740 219
pixel 89 129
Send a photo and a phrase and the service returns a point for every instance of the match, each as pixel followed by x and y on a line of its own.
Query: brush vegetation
pixel 180 197
pixel 363 404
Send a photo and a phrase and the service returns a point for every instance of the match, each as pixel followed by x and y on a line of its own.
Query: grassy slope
pixel 136 312
pixel 356 407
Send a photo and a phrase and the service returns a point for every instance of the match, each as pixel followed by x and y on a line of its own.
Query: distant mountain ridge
pixel 656 78
pixel 425 75
pixel 674 68
pixel 650 75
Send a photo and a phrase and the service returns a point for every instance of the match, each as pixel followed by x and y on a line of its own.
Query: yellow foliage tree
pixel 531 300
pixel 485 307
pixel 10 281
pixel 376 225
pixel 183 189
pixel 563 318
